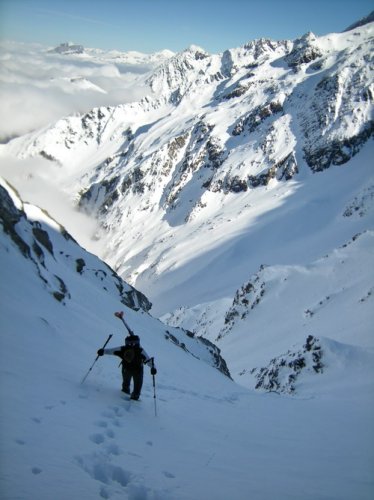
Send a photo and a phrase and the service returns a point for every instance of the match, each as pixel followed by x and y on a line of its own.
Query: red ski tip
pixel 119 314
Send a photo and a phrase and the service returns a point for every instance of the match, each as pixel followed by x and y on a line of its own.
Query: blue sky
pixel 152 25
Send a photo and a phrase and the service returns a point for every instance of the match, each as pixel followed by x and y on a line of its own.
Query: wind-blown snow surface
pixel 211 439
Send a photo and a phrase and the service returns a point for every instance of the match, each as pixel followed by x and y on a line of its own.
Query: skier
pixel 133 357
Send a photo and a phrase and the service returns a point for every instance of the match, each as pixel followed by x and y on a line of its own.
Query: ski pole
pixel 154 388
pixel 119 315
pixel 97 357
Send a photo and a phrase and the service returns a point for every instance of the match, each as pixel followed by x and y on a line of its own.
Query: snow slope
pixel 211 439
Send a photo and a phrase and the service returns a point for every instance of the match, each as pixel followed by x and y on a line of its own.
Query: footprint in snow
pixel 97 438
pixel 51 407
pixel 117 411
pixel 99 468
pixel 113 449
pixel 104 492
pixel 113 415
pixel 101 423
pixel 112 477
pixel 110 433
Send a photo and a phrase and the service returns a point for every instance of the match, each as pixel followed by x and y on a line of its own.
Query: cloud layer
pixel 38 87
pixel 33 180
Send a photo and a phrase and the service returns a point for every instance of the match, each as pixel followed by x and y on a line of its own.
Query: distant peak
pixel 308 37
pixel 68 48
pixel 194 48
pixel 165 53
pixel 365 20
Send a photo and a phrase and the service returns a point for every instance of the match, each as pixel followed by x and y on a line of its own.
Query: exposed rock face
pixel 10 216
pixel 245 300
pixel 214 351
pixel 283 372
pixel 256 117
pixel 338 152
pixel 45 247
pixel 305 50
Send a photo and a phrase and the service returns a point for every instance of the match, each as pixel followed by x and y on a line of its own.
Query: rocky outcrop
pixel 9 218
pixel 253 119
pixel 362 204
pixel 283 373
pixel 246 299
pixel 338 152
pixel 305 50
pixel 45 249
pixel 214 352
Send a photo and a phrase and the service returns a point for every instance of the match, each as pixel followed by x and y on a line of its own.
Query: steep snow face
pixel 64 439
pixel 59 265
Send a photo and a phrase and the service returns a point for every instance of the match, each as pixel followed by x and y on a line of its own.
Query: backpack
pixel 132 356
pixel 128 355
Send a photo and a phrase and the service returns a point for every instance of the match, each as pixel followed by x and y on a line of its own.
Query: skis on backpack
pixel 119 315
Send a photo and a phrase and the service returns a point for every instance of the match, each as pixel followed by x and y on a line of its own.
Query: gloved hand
pixel 100 352
pixel 153 370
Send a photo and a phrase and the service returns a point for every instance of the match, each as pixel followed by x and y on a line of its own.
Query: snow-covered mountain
pixel 238 197
pixel 257 157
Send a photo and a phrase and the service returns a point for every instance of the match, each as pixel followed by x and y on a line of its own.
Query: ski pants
pixel 136 374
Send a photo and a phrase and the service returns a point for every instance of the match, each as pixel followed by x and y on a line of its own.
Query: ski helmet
pixel 132 340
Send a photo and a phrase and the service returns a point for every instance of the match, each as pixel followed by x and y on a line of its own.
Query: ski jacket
pixel 133 357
